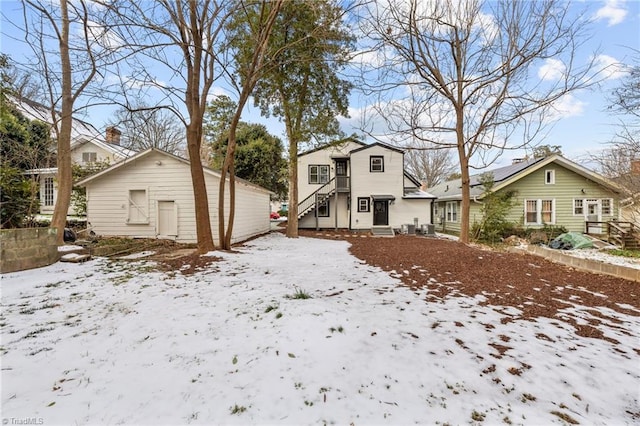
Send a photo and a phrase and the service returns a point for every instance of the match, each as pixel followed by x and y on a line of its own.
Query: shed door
pixel 167 219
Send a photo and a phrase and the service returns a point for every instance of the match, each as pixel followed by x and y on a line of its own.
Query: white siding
pixel 323 156
pixel 101 154
pixel 168 179
pixel 365 183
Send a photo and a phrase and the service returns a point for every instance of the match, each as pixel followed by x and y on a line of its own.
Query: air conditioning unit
pixel 428 229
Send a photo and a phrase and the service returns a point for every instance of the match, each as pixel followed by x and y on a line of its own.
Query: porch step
pixel 382 231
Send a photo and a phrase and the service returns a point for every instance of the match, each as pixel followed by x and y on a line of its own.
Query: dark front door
pixel 380 213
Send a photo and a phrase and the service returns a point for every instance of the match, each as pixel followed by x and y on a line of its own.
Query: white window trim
pixel 539 211
pixel 129 203
pixel 550 177
pixel 53 192
pixel 610 207
pixel 582 207
pixel 318 167
pixel 90 154
pixel 449 212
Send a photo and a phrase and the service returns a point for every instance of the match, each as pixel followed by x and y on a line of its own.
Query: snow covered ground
pixel 119 342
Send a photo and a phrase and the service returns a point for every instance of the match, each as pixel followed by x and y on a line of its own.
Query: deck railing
pixel 620 233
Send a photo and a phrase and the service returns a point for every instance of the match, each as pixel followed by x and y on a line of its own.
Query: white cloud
pixel 614 11
pixel 553 69
pixel 610 67
pixel 567 106
pixel 105 38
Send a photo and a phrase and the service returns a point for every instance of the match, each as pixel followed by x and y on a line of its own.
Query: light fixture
pixel 158 163
pixel 583 191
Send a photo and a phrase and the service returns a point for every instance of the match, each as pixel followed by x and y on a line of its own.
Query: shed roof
pixel 148 152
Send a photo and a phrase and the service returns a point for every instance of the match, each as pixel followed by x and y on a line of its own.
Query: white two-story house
pixel 88 148
pixel 358 186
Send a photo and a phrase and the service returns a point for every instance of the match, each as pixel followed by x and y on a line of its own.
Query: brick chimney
pixel 113 135
pixel 635 167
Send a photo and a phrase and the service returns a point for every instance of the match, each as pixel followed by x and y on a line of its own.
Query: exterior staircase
pixel 326 191
pixel 624 234
pixel 310 203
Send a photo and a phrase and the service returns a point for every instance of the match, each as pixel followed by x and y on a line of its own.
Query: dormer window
pixel 376 163
pixel 549 177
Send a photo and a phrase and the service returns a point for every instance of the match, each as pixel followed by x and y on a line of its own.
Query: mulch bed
pixel 533 285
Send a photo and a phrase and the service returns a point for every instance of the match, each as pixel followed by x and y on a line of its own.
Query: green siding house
pixel 549 191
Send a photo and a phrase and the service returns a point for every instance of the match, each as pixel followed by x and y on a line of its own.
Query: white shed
pixel 150 195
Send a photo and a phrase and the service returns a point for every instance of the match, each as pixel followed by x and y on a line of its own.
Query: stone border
pixel 588 265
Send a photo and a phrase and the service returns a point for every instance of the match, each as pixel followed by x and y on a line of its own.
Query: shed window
pixel 363 204
pixel 138 206
pixel 606 207
pixel 376 163
pixel 48 191
pixel 319 174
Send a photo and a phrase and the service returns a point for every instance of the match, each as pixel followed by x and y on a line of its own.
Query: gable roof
pixel 384 145
pixel 504 176
pixel 81 131
pixel 148 152
pixel 335 143
pixel 412 178
pixel 109 147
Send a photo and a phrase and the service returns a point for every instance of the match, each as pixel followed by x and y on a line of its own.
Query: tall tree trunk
pixel 201 200
pixel 292 215
pixel 65 179
pixel 228 169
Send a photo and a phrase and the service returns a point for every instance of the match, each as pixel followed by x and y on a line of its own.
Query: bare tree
pixel 252 28
pixel 459 74
pixel 430 166
pixel 144 128
pixel 67 64
pixel 182 39
pixel 620 160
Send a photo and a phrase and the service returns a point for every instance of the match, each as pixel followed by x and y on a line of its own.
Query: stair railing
pixel 308 203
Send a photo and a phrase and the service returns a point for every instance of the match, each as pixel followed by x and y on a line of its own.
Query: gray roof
pixel 452 190
pixel 503 173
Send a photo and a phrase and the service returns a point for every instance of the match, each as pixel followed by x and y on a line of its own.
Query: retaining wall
pixel 27 248
pixel 589 265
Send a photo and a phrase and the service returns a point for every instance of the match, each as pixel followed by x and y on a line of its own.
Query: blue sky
pixel 583 128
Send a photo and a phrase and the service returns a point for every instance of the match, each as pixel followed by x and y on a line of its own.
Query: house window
pixel 48 191
pixel 452 211
pixel 606 206
pixel 547 211
pixel 578 207
pixel 363 204
pixel 531 211
pixel 323 209
pixel 319 174
pixel 538 212
pixel 138 206
pixel 89 157
pixel 376 163
pixel 549 177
